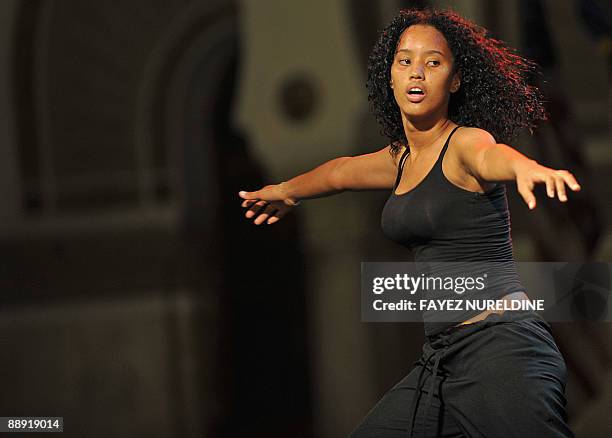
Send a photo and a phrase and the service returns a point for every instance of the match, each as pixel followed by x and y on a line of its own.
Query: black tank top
pixel 441 222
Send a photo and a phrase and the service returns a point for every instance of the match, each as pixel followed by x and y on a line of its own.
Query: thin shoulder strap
pixel 447 142
pixel 401 166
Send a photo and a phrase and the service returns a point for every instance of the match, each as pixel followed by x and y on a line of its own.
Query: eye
pixel 404 61
pixel 434 63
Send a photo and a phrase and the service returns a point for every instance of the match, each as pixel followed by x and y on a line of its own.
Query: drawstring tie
pixel 439 354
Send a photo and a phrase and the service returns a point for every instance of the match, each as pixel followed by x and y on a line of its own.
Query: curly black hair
pixel 494 95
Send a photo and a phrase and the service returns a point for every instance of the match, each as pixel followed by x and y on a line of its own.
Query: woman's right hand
pixel 269 203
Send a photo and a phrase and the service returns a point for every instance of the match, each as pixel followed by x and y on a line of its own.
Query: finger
pixel 560 185
pixel 550 186
pixel 265 214
pixel 277 216
pixel 571 181
pixel 255 208
pixel 528 196
pixel 248 195
pixel 248 202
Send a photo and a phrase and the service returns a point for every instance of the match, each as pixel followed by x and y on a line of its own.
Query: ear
pixel 391 83
pixel 455 83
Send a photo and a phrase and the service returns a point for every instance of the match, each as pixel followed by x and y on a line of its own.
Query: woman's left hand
pixel 529 173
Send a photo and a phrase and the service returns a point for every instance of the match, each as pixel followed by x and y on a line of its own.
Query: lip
pixel 416 98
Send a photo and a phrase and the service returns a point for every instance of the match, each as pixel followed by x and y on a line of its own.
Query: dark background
pixel 137 301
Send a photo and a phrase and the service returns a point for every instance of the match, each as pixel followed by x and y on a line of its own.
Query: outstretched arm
pixel 488 160
pixel 376 170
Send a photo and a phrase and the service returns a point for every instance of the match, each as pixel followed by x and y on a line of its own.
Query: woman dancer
pixel 447 95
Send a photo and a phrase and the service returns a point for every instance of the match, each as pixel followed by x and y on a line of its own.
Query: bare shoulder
pixel 468 137
pixel 467 143
pixel 385 156
pixel 375 170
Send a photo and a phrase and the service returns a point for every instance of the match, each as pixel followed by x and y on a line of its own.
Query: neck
pixel 421 135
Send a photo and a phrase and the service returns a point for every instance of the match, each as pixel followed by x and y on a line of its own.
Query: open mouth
pixel 416 94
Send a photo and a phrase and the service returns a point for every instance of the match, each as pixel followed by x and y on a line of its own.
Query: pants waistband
pixel 454 333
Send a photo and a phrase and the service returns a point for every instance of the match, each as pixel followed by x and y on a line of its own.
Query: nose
pixel 416 72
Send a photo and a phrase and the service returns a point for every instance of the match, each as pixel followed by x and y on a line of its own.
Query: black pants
pixel 500 377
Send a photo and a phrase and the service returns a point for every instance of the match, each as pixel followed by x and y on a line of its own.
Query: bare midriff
pixel 483 315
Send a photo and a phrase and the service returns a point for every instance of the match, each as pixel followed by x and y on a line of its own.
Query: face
pixel 422 73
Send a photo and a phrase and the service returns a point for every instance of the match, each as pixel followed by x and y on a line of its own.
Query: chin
pixel 419 113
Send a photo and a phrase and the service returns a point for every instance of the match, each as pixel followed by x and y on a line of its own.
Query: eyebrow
pixel 426 51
